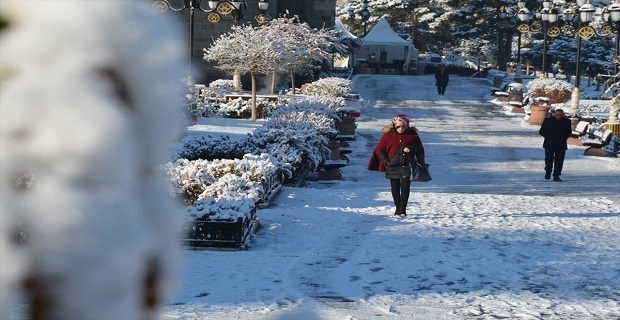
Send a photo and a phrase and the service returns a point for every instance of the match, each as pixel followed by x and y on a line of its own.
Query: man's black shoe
pixel 557 179
pixel 548 175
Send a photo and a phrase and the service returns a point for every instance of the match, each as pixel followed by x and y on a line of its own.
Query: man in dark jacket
pixel 441 80
pixel 556 131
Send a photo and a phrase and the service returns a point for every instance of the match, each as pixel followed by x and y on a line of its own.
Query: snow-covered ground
pixel 488 238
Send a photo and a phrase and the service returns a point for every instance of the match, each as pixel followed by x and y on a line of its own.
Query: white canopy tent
pixel 384 47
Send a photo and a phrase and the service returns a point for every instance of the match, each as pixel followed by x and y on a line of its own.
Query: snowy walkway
pixel 488 238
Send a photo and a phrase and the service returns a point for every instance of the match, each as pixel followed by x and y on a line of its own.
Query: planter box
pixel 347 126
pixel 223 234
pixel 333 174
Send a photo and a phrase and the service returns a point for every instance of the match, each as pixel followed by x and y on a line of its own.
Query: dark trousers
pixel 400 193
pixel 554 161
pixel 441 90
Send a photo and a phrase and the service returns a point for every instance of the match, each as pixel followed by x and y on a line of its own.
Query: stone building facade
pixel 317 13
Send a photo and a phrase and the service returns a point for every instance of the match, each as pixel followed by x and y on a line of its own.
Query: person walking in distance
pixel 441 80
pixel 399 147
pixel 556 131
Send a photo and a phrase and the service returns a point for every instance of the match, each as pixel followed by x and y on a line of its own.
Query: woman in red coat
pixel 399 147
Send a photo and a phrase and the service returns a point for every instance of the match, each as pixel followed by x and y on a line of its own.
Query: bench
pixel 580 129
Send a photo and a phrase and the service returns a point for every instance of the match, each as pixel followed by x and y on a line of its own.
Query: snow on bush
pixel 301 149
pixel 221 84
pixel 297 134
pixel 292 140
pixel 197 179
pixel 279 136
pixel 233 188
pixel 240 108
pixel 310 114
pixel 333 86
pixel 222 209
pixel 558 91
pixel 209 148
pixel 333 103
pixel 90 105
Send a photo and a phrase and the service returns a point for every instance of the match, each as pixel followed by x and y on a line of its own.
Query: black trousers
pixel 554 161
pixel 400 193
pixel 441 89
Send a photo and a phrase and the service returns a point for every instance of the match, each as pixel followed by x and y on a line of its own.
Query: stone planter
pixel 332 174
pixel 334 148
pixel 347 127
pixel 220 234
pixel 223 234
pixel 538 115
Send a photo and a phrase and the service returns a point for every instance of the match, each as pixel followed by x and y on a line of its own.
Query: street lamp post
pixel 501 25
pixel 548 16
pixel 523 16
pixel 586 13
pixel 365 13
pixel 545 20
pixel 614 18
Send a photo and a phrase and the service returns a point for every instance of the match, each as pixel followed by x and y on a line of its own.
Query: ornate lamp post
pixel 365 13
pixel 502 24
pixel 523 16
pixel 545 20
pixel 217 11
pixel 548 16
pixel 586 13
pixel 613 18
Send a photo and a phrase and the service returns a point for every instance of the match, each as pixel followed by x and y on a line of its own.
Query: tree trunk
pixel 292 81
pixel 500 50
pixel 273 82
pixel 253 96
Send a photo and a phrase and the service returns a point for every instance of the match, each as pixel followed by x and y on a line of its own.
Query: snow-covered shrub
pixel 335 87
pixel 296 134
pixel 223 209
pixel 558 91
pixel 222 85
pixel 240 108
pixel 209 148
pixel 332 102
pixel 236 108
pixel 189 103
pixel 202 179
pixel 100 230
pixel 216 91
pixel 207 109
pixel 309 114
pixel 300 149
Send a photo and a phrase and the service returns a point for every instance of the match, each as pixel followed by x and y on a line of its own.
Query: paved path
pixel 466 136
pixel 488 238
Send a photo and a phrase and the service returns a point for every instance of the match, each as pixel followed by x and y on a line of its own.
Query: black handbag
pixel 419 172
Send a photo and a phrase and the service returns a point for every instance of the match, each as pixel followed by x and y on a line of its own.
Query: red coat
pixel 389 143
